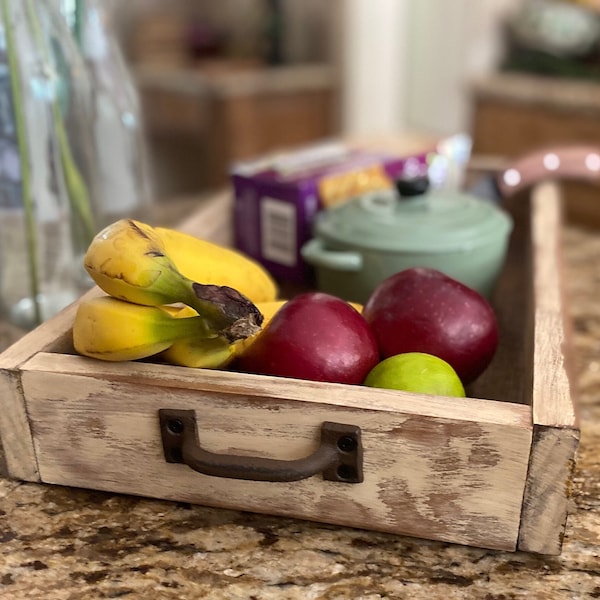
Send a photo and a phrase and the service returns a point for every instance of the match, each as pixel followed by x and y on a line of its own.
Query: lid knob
pixel 410 187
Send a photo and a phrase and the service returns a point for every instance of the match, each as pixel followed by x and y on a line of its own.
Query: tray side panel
pixel 553 399
pixel 555 419
pixel 548 490
pixel 15 434
pixel 306 391
pixel 53 335
pixel 453 480
pixel 212 220
pixel 513 305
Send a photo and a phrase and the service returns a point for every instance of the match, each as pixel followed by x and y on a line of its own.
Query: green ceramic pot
pixel 361 242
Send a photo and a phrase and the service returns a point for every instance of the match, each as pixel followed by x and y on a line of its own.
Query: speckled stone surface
pixel 69 544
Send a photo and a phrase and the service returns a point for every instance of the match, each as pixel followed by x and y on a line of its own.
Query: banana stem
pixel 187 327
pixel 231 313
pixel 24 157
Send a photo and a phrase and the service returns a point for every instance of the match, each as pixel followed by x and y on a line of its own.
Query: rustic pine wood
pixel 212 221
pixel 513 306
pixel 548 489
pixel 491 470
pixel 431 470
pixel 555 422
pixel 15 431
pixel 552 395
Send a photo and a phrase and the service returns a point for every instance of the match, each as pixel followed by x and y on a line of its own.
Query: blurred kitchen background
pixel 223 80
pixel 209 84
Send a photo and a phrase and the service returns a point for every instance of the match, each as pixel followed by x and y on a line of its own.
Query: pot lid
pixel 414 221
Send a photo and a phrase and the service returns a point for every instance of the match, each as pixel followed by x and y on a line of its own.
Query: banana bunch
pixel 111 329
pixel 147 270
pixel 201 260
pixel 216 353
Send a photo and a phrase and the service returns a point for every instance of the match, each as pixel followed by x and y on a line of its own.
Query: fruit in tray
pixel 209 263
pixel 416 372
pixel 423 310
pixel 314 336
pixel 189 302
pixel 130 260
pixel 138 266
pixel 111 329
pixel 217 353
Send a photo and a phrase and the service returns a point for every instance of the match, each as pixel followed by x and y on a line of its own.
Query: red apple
pixel 424 310
pixel 314 336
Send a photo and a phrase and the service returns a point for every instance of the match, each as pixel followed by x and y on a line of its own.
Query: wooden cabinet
pixel 515 113
pixel 200 121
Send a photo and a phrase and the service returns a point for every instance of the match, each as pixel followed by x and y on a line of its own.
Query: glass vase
pixel 47 160
pixel 119 134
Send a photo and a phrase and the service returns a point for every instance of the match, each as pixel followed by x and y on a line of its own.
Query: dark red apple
pixel 314 336
pixel 424 310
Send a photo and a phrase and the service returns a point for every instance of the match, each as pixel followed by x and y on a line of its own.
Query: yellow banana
pixel 358 307
pixel 111 329
pixel 215 353
pixel 201 260
pixel 129 261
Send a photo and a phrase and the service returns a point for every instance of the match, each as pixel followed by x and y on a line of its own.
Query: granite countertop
pixel 67 544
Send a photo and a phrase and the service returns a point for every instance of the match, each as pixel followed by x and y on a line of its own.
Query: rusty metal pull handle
pixel 338 457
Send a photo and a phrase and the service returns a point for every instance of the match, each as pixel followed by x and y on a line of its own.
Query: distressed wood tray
pixel 491 470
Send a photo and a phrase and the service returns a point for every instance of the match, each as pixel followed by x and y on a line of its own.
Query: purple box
pixel 277 198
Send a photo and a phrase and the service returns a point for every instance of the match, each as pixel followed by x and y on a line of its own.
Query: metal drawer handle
pixel 338 457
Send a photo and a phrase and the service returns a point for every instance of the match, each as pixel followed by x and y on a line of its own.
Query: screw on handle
pixel 338 457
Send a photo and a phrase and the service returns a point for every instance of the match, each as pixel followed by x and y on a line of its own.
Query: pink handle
pixel 554 162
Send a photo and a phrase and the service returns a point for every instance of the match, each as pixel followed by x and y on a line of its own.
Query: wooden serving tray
pixel 491 470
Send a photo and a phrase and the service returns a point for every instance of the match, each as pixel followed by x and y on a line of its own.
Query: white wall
pixel 450 44
pixel 408 63
pixel 373 67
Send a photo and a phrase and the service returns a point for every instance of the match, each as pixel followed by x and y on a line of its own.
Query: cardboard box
pixel 277 197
